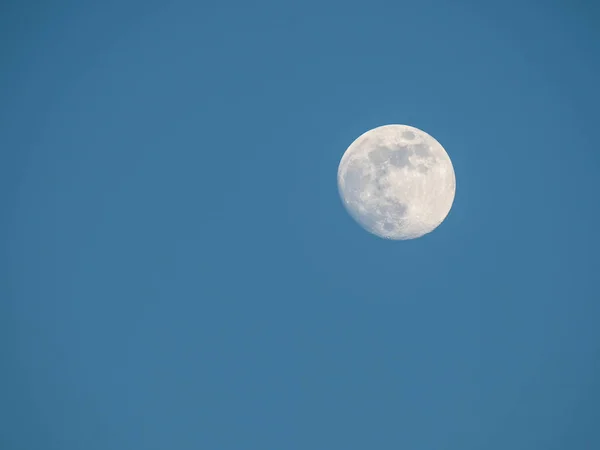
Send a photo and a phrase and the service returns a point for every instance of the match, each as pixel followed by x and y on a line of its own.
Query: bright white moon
pixel 397 182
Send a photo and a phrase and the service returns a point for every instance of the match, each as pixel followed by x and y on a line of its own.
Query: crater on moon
pixel 397 182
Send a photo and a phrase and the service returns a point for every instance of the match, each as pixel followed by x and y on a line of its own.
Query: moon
pixel 397 182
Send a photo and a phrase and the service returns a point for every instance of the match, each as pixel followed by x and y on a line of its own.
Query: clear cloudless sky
pixel 177 270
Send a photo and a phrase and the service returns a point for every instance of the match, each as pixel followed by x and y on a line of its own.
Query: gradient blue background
pixel 178 272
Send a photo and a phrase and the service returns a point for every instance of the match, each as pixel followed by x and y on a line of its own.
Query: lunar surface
pixel 397 182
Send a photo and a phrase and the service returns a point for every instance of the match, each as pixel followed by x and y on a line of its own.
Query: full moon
pixel 397 182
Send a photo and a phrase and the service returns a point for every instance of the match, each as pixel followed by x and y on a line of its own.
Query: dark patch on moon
pixel 379 155
pixel 396 156
pixel 408 135
pixel 399 157
pixel 389 216
pixel 396 208
pixel 422 150
pixel 355 179
pixel 393 208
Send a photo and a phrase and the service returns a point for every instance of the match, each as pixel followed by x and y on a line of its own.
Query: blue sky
pixel 177 270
